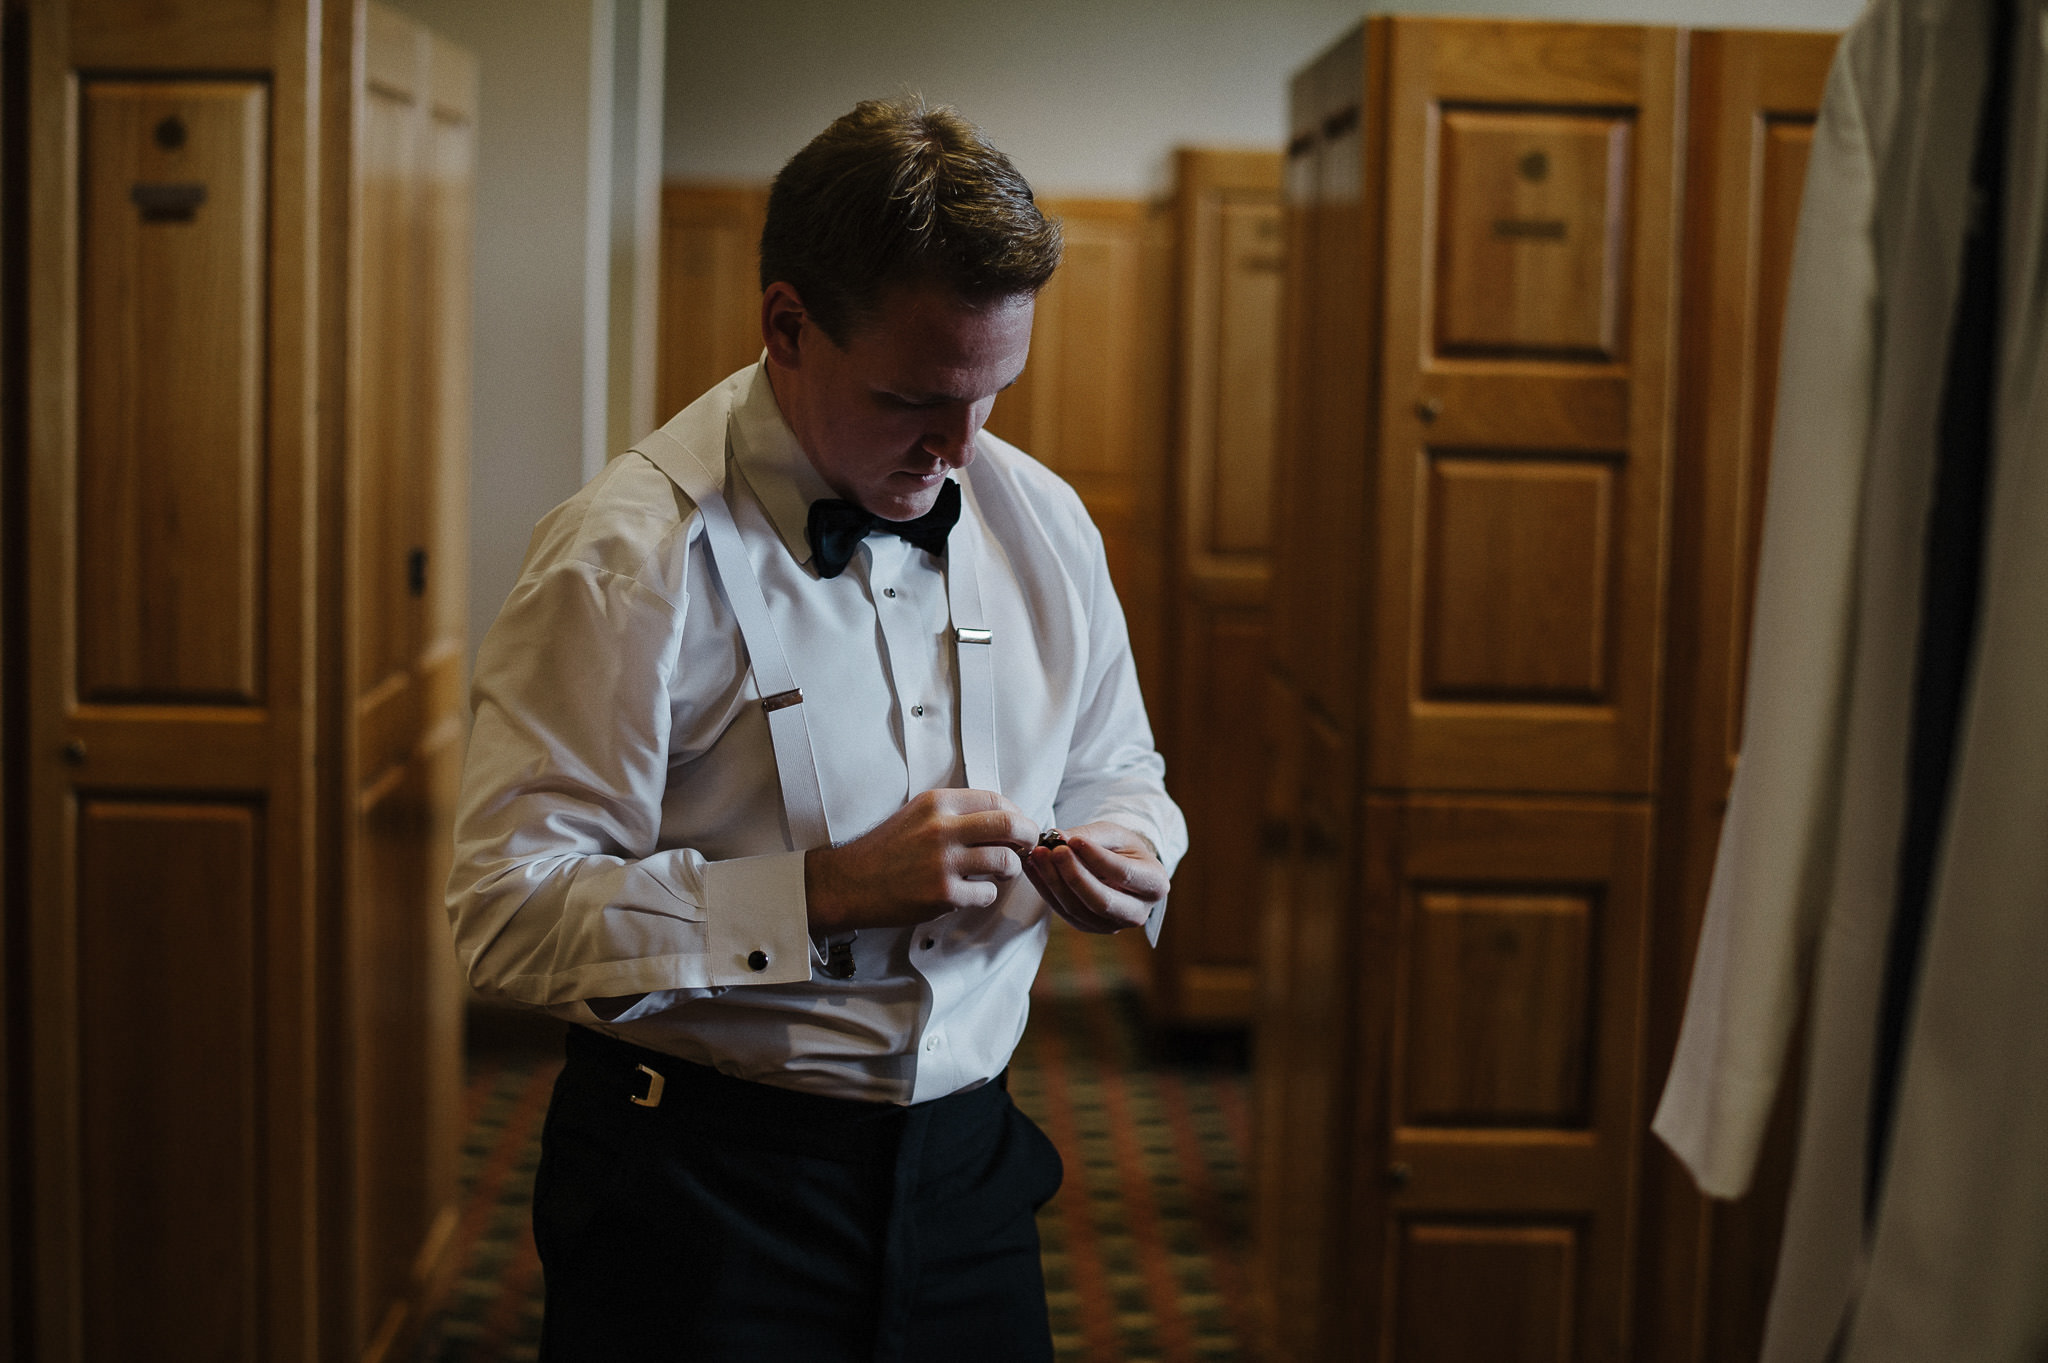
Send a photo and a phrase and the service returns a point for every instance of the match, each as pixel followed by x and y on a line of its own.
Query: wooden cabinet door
pixel 1522 427
pixel 169 556
pixel 406 650
pixel 1754 99
pixel 1500 1119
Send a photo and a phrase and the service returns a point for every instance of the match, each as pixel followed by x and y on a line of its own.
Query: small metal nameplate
pixel 1530 229
pixel 782 700
pixel 971 636
pixel 167 202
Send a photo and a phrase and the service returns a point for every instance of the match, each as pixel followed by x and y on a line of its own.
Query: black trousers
pixel 740 1221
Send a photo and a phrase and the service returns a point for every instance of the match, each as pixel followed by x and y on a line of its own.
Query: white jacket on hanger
pixel 1954 1266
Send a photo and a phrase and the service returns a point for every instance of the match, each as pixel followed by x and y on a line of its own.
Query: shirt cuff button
pixel 757 960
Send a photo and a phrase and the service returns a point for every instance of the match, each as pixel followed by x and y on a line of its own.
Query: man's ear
pixel 782 324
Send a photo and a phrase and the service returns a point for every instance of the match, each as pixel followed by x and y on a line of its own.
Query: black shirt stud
pixel 757 960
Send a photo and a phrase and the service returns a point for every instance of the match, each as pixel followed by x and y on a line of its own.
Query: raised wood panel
pixel 1500 996
pixel 1531 233
pixel 1499 1293
pixel 710 317
pixel 1245 396
pixel 171 383
pixel 1509 91
pixel 1518 580
pixel 170 914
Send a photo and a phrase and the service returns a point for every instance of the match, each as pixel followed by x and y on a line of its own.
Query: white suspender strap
pixel 796 765
pixel 972 646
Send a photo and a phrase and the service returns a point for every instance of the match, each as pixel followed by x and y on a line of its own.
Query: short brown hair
pixel 899 192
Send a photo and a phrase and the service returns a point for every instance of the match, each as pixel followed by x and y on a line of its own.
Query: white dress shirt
pixel 621 836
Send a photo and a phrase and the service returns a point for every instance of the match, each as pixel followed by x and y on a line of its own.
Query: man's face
pixel 884 418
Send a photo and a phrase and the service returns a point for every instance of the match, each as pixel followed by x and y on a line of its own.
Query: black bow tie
pixel 836 528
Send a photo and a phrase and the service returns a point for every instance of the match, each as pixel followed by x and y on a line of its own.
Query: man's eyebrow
pixel 919 398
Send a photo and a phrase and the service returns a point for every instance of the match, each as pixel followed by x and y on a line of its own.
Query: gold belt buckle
pixel 654 1085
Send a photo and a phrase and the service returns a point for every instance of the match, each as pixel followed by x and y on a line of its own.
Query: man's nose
pixel 950 436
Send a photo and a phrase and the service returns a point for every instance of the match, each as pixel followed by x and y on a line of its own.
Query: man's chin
pixel 906 507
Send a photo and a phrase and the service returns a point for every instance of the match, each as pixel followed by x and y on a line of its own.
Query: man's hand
pixel 945 850
pixel 1105 878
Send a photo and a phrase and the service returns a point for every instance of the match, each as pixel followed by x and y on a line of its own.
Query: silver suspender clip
pixel 967 635
pixel 782 700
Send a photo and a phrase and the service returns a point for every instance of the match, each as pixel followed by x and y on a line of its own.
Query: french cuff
pixel 1153 921
pixel 756 927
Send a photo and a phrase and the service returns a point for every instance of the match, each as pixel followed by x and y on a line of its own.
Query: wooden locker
pixel 1562 519
pixel 208 1046
pixel 1754 98
pixel 1228 264
pixel 170 564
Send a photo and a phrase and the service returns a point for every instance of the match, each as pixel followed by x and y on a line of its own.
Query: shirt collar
pixel 775 465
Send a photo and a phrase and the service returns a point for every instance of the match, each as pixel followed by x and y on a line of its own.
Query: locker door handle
pixel 416 572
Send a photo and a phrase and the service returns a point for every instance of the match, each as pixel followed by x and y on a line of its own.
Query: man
pixel 765 741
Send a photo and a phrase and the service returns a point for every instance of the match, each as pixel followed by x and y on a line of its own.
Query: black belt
pixel 699 1101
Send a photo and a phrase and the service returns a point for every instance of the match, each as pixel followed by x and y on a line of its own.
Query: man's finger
pixel 988 863
pixel 1080 897
pixel 1006 828
pixel 1133 875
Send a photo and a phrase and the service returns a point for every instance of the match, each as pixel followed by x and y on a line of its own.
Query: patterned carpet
pixel 1145 1246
